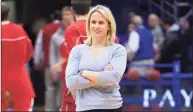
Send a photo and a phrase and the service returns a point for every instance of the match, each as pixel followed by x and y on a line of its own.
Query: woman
pixel 95 68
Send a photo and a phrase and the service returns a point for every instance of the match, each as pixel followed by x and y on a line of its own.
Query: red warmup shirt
pixel 17 50
pixel 47 33
pixel 74 34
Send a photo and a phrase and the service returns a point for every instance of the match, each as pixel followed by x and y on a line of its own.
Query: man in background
pixel 140 45
pixel 172 47
pixel 41 56
pixel 158 35
pixel 67 18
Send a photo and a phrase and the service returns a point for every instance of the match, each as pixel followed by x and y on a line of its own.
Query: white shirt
pixel 133 42
pixel 56 40
pixel 174 27
pixel 38 50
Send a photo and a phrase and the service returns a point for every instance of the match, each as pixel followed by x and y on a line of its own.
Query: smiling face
pixel 98 26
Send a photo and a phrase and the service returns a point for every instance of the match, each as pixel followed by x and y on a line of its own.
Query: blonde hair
pixel 105 11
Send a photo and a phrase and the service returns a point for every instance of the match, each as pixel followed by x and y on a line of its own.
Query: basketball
pixel 133 75
pixel 153 75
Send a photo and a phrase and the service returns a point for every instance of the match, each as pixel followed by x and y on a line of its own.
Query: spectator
pixel 140 45
pixel 186 41
pixel 131 26
pixel 172 48
pixel 130 16
pixel 158 35
pixel 184 25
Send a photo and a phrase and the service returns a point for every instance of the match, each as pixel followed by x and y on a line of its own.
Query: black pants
pixel 104 110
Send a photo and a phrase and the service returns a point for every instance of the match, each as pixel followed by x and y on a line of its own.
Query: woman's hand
pixel 91 76
pixel 108 68
pixel 55 72
pixel 56 67
pixel 93 83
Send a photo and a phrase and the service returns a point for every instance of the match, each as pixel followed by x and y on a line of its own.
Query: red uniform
pixel 74 34
pixel 17 50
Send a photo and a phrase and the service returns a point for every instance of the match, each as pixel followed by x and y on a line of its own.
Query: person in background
pixel 158 35
pixel 186 45
pixel 95 68
pixel 140 45
pixel 131 26
pixel 184 25
pixel 57 39
pixel 41 56
pixel 172 49
pixel 17 50
pixel 124 38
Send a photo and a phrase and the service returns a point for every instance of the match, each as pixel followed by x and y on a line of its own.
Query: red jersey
pixel 17 50
pixel 75 34
pixel 47 33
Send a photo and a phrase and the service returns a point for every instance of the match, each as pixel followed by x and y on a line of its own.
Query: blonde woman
pixel 95 68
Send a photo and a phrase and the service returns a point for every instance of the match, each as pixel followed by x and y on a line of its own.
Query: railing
pixel 171 13
pixel 169 7
pixel 176 77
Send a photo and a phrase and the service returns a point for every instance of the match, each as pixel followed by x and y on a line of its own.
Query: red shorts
pixel 68 107
pixel 68 103
pixel 21 104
